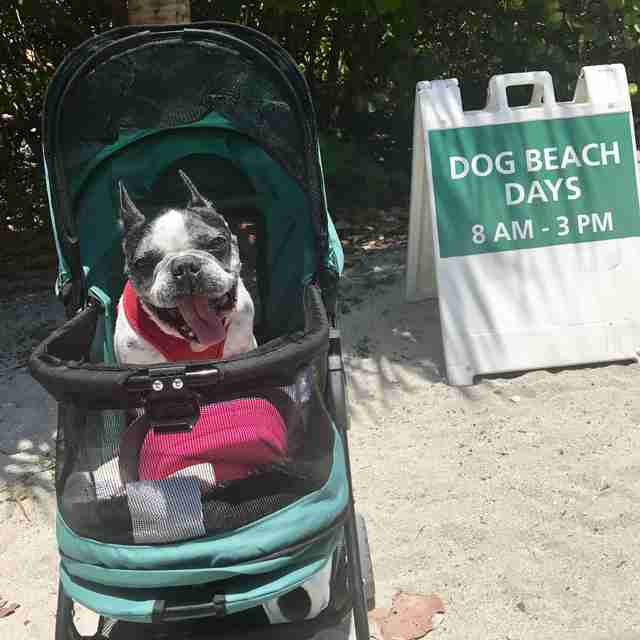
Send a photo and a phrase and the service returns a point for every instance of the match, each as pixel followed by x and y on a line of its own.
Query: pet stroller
pixel 178 556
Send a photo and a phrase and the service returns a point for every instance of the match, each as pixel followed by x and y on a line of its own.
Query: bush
pixel 357 177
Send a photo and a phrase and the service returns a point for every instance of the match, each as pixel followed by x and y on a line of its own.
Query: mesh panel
pixel 120 480
pixel 172 83
pixel 63 454
pixel 221 516
pixel 165 510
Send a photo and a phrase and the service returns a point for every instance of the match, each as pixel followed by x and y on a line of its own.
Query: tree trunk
pixel 159 11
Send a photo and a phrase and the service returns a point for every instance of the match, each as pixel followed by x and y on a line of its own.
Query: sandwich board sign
pixel 525 223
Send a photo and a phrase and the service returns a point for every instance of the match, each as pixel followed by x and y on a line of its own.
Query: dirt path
pixel 514 500
pixel 28 555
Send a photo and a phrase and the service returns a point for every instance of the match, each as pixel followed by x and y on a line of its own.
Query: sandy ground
pixel 28 555
pixel 514 500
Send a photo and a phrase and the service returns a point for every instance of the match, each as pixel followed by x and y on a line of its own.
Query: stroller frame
pixel 53 363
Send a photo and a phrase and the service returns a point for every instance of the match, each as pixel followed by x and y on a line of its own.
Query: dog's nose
pixel 185 267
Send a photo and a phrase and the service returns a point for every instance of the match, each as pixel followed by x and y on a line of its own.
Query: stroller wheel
pixel 65 623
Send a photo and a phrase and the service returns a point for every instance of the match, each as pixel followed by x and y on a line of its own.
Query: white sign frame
pixel 529 308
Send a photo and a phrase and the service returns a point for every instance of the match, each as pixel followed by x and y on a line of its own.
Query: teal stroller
pixel 227 105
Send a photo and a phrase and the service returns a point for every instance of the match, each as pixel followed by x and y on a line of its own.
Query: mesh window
pixel 172 83
pixel 120 480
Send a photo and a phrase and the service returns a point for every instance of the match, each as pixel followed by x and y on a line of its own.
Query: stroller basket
pixel 174 453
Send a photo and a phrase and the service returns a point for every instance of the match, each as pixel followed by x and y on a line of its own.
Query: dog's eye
pixel 218 245
pixel 144 263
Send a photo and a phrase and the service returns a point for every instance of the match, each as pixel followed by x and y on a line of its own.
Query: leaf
pixel 7 608
pixel 410 617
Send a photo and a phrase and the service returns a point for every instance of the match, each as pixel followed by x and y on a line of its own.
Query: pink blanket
pixel 233 437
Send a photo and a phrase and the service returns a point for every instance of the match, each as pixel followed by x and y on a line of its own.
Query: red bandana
pixel 174 349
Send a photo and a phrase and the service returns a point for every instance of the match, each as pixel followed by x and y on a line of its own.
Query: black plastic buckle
pixel 170 406
pixel 165 612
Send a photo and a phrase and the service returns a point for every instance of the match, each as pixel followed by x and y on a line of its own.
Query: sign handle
pixel 543 92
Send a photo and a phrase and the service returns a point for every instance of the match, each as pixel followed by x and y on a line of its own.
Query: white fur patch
pixel 169 235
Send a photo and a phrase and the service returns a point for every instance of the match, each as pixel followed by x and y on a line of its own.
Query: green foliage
pixel 35 35
pixel 361 59
pixel 358 179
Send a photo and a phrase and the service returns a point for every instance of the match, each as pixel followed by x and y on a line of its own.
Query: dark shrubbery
pixel 361 58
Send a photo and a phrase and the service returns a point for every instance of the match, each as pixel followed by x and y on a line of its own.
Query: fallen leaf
pixel 7 608
pixel 410 617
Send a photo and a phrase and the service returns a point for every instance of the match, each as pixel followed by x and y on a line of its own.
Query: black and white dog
pixel 184 275
pixel 185 300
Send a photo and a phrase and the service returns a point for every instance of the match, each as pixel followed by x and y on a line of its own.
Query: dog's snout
pixel 185 267
pixel 186 271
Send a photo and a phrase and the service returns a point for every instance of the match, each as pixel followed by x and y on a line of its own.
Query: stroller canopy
pixel 220 101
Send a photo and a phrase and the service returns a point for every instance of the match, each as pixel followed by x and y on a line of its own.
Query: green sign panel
pixel 534 184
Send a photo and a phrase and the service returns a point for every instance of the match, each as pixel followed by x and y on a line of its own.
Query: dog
pixel 184 299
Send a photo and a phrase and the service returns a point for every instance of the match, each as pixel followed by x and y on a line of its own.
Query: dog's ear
pixel 196 198
pixel 130 215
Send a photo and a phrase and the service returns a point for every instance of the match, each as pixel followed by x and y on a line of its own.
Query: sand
pixel 514 500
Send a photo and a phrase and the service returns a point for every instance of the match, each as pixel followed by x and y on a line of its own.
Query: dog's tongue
pixel 204 321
